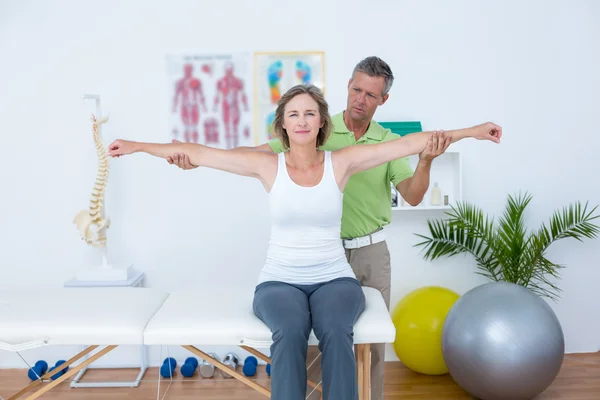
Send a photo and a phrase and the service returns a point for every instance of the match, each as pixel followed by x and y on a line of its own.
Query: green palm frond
pixel 467 230
pixel 573 221
pixel 510 238
pixel 504 250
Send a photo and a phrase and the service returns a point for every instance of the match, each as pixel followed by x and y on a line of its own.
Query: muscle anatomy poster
pixel 210 99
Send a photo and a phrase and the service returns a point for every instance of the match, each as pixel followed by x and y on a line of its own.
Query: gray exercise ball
pixel 501 341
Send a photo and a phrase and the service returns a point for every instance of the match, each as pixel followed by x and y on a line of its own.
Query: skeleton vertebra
pixel 87 219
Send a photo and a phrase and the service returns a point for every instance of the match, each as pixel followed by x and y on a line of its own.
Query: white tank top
pixel 305 245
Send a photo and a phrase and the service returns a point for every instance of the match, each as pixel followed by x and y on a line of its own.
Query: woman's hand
pixel 122 147
pixel 488 131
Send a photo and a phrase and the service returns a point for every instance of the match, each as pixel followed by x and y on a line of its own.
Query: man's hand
pixel 437 144
pixel 181 160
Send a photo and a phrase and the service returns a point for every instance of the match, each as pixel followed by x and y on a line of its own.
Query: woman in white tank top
pixel 306 282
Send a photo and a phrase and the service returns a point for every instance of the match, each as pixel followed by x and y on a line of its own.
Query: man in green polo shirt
pixel 367 196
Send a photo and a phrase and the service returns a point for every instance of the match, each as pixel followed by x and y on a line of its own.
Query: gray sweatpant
pixel 290 312
pixel 372 267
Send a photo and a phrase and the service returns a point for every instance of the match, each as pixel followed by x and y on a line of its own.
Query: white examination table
pixel 75 316
pixel 134 316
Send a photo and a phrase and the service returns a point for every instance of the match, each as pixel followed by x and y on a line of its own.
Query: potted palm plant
pixel 504 250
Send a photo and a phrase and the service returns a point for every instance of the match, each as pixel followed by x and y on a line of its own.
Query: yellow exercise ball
pixel 419 321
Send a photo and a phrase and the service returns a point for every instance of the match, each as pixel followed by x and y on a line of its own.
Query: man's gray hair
pixel 375 66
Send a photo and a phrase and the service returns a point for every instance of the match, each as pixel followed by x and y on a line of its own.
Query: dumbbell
pixel 168 368
pixel 232 361
pixel 188 368
pixel 61 373
pixel 250 364
pixel 37 370
pixel 206 369
pixel 269 369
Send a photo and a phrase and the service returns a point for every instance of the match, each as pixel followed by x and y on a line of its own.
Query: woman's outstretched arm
pixel 353 159
pixel 245 163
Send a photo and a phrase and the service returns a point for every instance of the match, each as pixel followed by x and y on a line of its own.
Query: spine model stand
pixel 85 220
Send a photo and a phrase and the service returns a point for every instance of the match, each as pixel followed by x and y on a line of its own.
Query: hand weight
pixel 61 373
pixel 34 373
pixel 250 364
pixel 188 368
pixel 232 361
pixel 168 368
pixel 206 369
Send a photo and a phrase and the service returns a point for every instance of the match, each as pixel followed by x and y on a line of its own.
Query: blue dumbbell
pixel 55 376
pixel 250 364
pixel 59 363
pixel 168 368
pixel 61 373
pixel 188 368
pixel 269 369
pixel 37 370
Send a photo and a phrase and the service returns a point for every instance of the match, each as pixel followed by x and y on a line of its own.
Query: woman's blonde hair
pixel 317 96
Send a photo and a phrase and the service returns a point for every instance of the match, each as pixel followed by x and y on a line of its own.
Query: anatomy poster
pixel 274 74
pixel 210 99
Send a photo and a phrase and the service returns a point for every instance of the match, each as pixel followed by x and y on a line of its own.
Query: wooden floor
pixel 579 379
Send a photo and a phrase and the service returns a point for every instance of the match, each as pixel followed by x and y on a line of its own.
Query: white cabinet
pixel 446 171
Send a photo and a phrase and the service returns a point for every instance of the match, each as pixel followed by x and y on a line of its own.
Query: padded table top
pixel 225 317
pixel 77 316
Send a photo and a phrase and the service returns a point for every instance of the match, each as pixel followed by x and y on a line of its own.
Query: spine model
pixel 85 220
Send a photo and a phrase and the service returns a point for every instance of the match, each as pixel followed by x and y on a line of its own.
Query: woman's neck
pixel 303 157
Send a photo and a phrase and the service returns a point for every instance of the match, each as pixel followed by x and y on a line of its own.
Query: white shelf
pixel 446 170
pixel 408 207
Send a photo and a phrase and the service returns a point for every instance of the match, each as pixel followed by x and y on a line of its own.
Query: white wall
pixel 530 66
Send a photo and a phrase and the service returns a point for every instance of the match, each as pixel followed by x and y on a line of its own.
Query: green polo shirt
pixel 367 196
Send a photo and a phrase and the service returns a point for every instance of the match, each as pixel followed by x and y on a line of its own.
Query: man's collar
pixel 339 126
pixel 373 132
